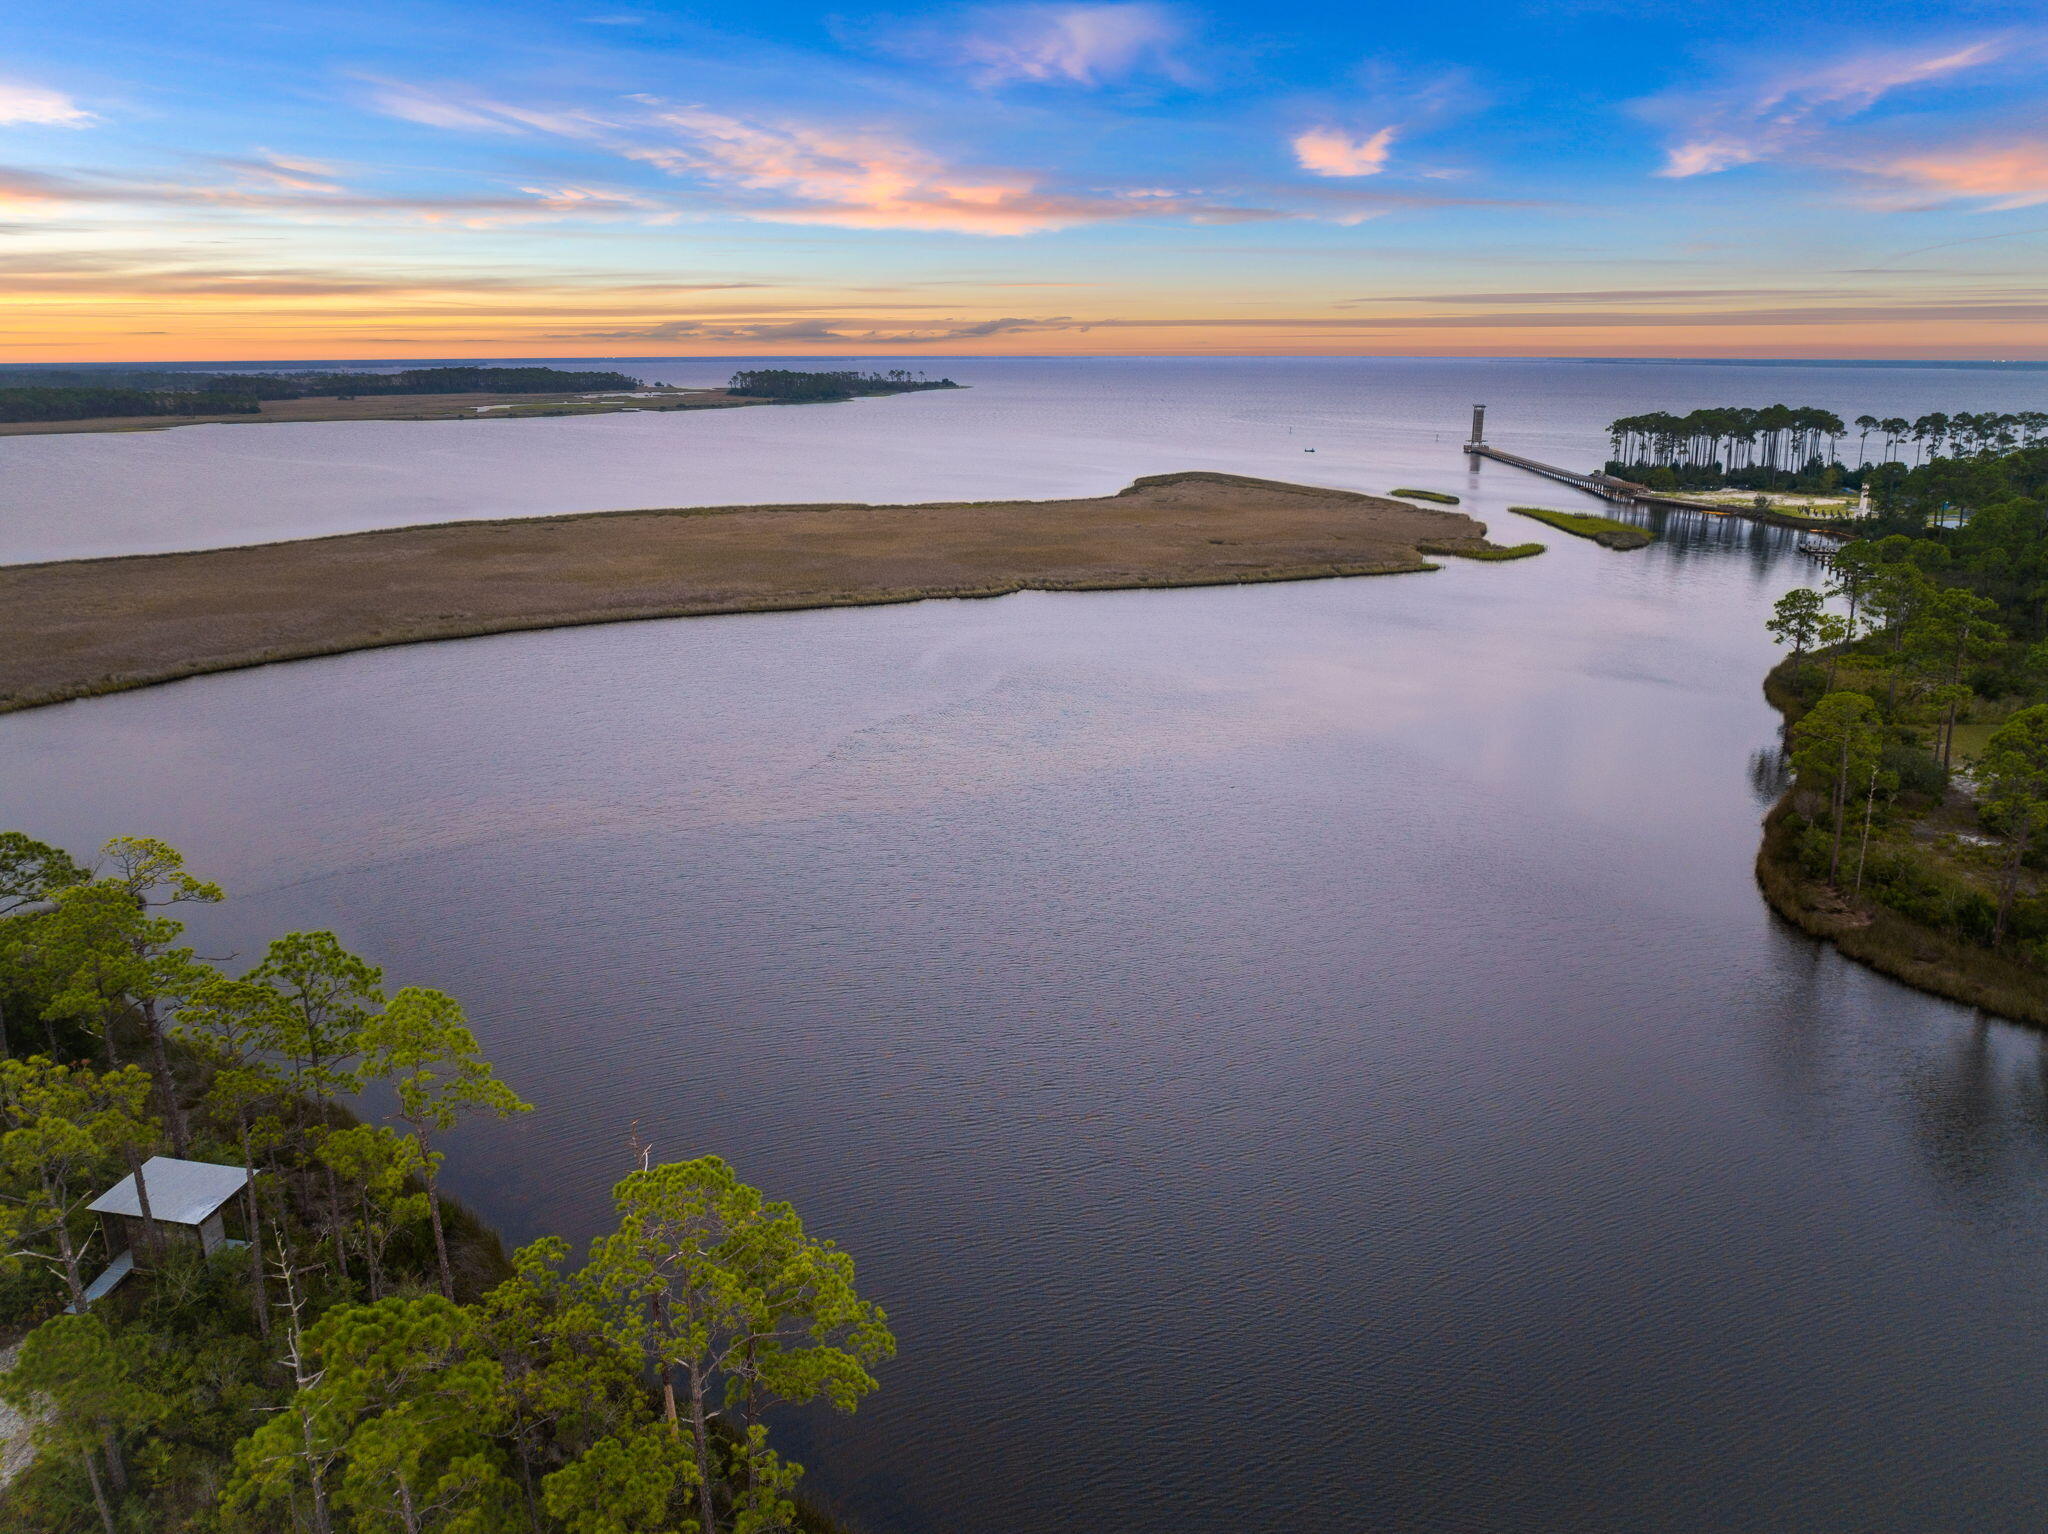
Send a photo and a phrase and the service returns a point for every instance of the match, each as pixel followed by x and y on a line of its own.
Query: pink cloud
pixel 1332 152
pixel 852 178
pixel 2010 175
pixel 868 179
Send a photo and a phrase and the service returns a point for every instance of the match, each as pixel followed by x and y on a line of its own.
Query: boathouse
pixel 187 1200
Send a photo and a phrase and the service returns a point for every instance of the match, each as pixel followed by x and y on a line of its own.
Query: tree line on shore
pixel 87 402
pixel 1801 447
pixel 368 1361
pixel 1923 634
pixel 76 394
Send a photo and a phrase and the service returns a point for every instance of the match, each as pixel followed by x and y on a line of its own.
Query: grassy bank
pixel 1473 548
pixel 1442 498
pixel 1602 530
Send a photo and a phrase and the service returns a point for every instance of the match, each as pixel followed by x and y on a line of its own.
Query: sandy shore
pixel 80 627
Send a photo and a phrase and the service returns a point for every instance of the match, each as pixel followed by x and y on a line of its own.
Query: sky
pixel 508 178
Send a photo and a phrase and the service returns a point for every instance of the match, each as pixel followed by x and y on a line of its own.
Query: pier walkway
pixel 1603 485
pixel 1612 488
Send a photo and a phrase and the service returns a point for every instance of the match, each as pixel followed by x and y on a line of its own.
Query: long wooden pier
pixel 1604 485
pixel 1612 488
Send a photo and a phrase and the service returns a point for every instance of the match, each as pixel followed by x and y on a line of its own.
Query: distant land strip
pixel 401 407
pixel 79 628
pixel 71 400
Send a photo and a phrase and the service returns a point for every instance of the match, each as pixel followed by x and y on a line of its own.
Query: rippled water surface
pixel 1288 1057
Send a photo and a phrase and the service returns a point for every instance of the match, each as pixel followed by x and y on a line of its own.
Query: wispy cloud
pixel 1580 296
pixel 852 179
pixel 863 332
pixel 1788 112
pixel 263 186
pixel 1811 314
pixel 37 106
pixel 868 179
pixel 1333 152
pixel 1086 45
pixel 477 114
pixel 174 272
pixel 1962 311
pixel 784 170
pixel 283 173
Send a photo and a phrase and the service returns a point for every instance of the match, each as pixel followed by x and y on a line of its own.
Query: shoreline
pixel 1832 527
pixel 84 628
pixel 1882 939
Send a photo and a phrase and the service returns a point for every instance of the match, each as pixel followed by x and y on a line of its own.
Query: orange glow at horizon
pixel 108 327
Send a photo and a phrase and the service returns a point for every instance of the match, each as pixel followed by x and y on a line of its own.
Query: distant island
pixel 35 401
pixel 786 387
pixel 81 627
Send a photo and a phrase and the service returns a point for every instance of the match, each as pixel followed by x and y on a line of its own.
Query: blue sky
pixel 1578 177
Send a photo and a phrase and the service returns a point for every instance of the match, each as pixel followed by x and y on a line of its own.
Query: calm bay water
pixel 1024 427
pixel 1303 1056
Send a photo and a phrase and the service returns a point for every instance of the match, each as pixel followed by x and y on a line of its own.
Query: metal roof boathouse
pixel 186 1199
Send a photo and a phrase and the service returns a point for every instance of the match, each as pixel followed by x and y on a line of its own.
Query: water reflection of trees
pixel 1980 1107
pixel 1804 1018
pixel 1685 533
pixel 1770 772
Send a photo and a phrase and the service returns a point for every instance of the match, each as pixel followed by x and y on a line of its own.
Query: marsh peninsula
pixel 81 627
